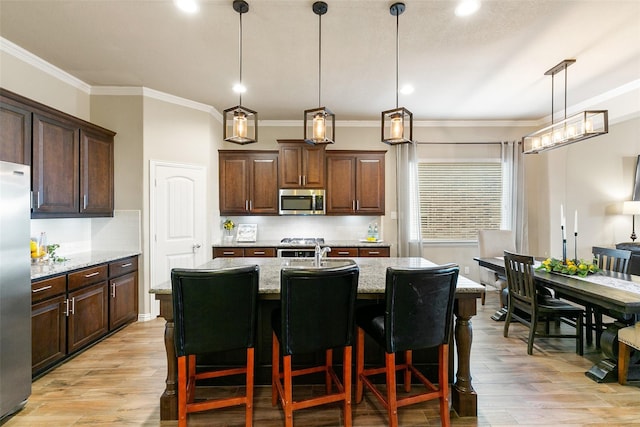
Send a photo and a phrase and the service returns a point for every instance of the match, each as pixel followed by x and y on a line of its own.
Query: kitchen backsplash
pixel 75 235
pixel 329 227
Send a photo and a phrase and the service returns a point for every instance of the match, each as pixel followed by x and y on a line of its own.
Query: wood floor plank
pixel 118 382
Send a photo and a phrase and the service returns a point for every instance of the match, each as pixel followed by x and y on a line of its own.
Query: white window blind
pixel 459 198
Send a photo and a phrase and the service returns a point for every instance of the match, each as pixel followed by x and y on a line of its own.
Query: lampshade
pixel 319 126
pixel 240 124
pixel 631 208
pixel 320 122
pixel 397 124
pixel 579 127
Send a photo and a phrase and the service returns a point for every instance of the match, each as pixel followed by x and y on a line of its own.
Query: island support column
pixel 169 398
pixel 464 398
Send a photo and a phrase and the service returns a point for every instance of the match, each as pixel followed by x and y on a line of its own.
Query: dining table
pixel 371 286
pixel 617 294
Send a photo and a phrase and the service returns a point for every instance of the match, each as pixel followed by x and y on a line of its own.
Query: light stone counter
pixel 77 261
pixel 371 280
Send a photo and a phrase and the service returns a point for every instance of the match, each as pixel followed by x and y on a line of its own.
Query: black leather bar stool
pixel 417 314
pixel 214 310
pixel 317 308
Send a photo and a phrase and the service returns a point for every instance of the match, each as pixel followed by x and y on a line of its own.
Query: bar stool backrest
pixel 317 308
pixel 419 307
pixel 214 310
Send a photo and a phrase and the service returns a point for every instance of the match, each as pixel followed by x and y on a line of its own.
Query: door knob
pixel 195 247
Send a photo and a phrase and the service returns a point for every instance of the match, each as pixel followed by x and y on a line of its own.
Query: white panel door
pixel 178 227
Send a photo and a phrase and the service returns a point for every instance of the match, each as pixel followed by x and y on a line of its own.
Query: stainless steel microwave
pixel 302 201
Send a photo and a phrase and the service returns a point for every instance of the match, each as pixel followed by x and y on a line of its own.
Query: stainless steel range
pixel 299 247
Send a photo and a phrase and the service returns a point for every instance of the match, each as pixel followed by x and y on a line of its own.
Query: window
pixel 459 198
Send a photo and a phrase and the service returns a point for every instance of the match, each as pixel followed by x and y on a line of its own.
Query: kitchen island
pixel 371 287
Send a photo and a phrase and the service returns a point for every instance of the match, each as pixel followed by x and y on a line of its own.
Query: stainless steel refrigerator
pixel 15 288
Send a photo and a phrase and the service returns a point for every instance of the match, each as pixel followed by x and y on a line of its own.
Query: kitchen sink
pixel 310 262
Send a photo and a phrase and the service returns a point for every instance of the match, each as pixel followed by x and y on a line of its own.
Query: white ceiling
pixel 489 66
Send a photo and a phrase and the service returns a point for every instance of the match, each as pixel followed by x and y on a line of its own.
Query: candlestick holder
pixel 564 251
pixel 575 246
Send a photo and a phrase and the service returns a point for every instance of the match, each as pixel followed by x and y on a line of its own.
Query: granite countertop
pixel 278 244
pixel 77 261
pixel 371 281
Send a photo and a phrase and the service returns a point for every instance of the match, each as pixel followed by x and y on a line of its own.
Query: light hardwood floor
pixel 118 382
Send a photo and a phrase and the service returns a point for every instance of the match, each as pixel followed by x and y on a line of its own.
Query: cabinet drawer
pixel 87 276
pixel 374 252
pixel 48 288
pixel 343 252
pixel 228 252
pixel 123 266
pixel 260 252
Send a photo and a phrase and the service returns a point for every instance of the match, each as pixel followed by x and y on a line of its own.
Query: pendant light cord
pixel 397 54
pixel 240 43
pixel 319 59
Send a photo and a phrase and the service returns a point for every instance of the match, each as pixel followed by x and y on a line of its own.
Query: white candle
pixel 575 227
pixel 561 214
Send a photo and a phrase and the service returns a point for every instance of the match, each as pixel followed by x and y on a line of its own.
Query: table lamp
pixel 632 208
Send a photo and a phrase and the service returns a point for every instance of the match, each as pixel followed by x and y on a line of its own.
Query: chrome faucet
pixel 319 253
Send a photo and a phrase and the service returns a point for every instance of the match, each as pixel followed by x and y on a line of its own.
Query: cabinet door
pixel 264 184
pixel 260 252
pixel 15 132
pixel 55 166
pixel 370 184
pixel 234 184
pixel 88 318
pixel 302 165
pixel 123 300
pixel 96 174
pixel 374 252
pixel 290 166
pixel 48 333
pixel 341 192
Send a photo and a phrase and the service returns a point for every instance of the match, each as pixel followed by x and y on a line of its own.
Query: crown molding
pixel 42 65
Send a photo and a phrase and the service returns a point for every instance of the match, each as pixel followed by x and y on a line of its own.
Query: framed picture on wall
pixel 247 232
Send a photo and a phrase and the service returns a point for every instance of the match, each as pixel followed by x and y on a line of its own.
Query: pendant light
pixel 397 124
pixel 319 123
pixel 578 127
pixel 240 124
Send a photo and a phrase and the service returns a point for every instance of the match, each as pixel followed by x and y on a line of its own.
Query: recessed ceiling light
pixel 467 7
pixel 407 89
pixel 187 6
pixel 239 88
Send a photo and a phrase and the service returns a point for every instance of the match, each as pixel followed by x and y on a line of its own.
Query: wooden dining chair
pixel 523 295
pixel 417 314
pixel 610 259
pixel 214 311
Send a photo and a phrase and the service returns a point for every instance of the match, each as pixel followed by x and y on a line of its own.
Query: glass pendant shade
pixel 579 127
pixel 240 125
pixel 397 126
pixel 319 126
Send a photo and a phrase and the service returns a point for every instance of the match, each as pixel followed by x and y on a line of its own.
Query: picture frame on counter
pixel 247 233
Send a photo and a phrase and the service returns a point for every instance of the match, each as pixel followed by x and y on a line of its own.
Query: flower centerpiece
pixel 228 226
pixel 572 267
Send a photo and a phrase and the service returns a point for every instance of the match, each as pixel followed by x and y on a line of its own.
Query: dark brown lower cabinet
pixel 48 333
pixel 87 321
pixel 71 311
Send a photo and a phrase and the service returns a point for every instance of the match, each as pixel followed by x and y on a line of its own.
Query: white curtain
pixel 408 206
pixel 514 195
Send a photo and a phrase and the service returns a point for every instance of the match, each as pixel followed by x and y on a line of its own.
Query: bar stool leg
pixel 390 361
pixel 359 363
pixel 346 375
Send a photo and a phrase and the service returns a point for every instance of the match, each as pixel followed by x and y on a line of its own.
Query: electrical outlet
pixel 466 270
